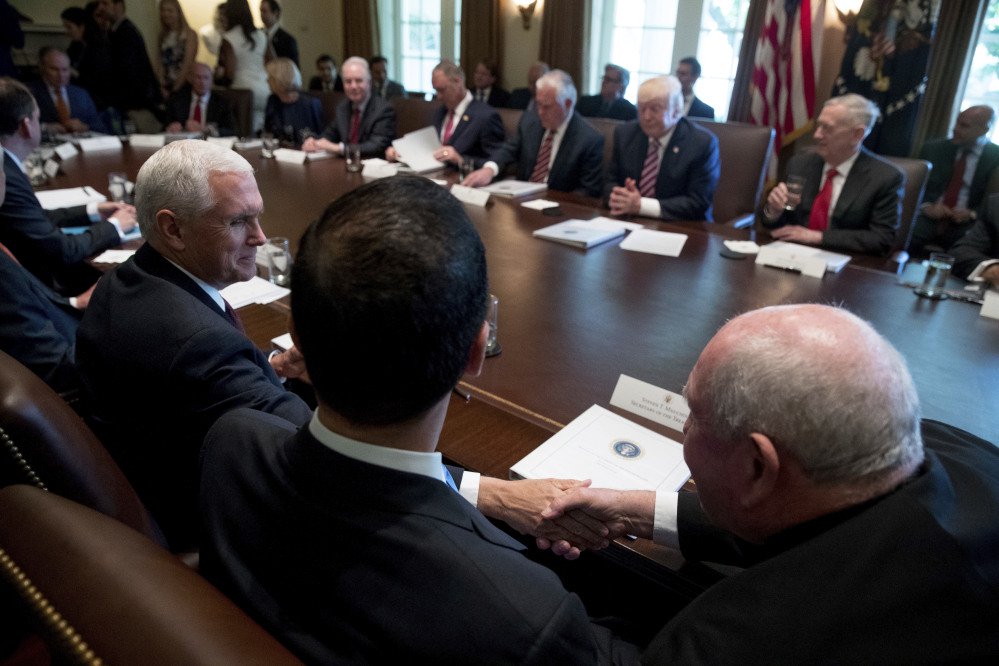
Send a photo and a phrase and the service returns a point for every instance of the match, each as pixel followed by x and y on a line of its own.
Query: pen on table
pixel 464 394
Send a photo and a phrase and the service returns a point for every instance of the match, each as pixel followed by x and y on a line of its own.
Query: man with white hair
pixel 162 355
pixel 362 119
pixel 869 535
pixel 555 145
pixel 663 165
pixel 852 199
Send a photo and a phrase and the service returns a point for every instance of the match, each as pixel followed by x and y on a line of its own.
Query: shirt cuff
pixel 272 354
pixel 976 275
pixel 94 214
pixel 73 302
pixel 117 226
pixel 650 207
pixel 469 488
pixel 664 528
pixel 492 166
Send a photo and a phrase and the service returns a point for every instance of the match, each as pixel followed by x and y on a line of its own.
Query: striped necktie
pixel 540 173
pixel 650 170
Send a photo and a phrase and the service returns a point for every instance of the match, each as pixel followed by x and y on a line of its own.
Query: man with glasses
pixel 610 103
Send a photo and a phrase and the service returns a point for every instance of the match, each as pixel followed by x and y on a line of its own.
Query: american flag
pixel 784 73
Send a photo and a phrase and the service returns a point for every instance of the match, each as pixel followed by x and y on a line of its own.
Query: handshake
pixel 568 516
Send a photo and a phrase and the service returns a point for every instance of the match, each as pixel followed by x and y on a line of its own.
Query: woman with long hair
pixel 178 44
pixel 244 49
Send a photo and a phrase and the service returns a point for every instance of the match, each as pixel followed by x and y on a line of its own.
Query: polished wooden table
pixel 572 321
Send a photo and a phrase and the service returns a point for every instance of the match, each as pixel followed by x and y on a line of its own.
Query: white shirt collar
pixel 212 292
pixel 843 169
pixel 413 462
pixel 17 161
pixel 459 110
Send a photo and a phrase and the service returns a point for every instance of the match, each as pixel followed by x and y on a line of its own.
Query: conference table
pixel 572 321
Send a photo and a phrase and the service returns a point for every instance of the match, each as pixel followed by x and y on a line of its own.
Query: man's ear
pixel 762 470
pixel 477 354
pixel 169 229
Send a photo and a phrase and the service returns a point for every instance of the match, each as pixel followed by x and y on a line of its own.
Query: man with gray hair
pixel 852 199
pixel 362 119
pixel 663 165
pixel 162 355
pixel 554 146
pixel 610 101
pixel 869 536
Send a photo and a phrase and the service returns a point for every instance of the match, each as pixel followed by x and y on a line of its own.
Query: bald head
pixel 972 124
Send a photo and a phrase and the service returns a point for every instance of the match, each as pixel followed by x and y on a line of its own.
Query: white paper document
pixel 113 256
pixel 540 204
pixel 417 149
pixel 254 290
pixel 580 233
pixel 793 252
pixel 146 140
pixel 470 195
pixel 665 243
pixel 610 450
pixel 648 400
pixel 990 306
pixel 742 247
pixel 98 143
pixel 283 342
pixel 515 188
pixel 70 196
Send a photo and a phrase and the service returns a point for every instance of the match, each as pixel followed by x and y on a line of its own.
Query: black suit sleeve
pixel 702 179
pixel 591 165
pixel 382 131
pixel 980 243
pixel 882 221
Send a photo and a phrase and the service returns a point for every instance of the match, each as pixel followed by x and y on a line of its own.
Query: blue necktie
pixel 448 479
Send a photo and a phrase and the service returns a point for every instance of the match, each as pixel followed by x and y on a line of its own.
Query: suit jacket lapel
pixel 151 261
pixel 673 152
pixel 857 176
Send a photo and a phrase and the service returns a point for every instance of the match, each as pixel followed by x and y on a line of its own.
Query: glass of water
pixel 795 186
pixel 278 260
pixel 937 271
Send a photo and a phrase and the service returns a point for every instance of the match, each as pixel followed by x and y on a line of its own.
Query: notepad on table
pixel 580 233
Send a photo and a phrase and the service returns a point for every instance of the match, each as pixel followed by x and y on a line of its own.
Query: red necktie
pixel 233 317
pixel 818 218
pixel 448 128
pixel 196 114
pixel 3 248
pixel 956 181
pixel 62 110
pixel 650 170
pixel 355 126
pixel 540 172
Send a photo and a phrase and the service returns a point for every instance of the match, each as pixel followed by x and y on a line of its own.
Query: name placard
pixel 98 143
pixel 654 403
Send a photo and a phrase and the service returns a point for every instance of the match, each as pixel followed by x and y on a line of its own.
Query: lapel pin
pixel 465 117
pixel 676 149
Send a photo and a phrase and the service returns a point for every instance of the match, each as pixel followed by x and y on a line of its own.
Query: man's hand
pixel 448 154
pixel 478 178
pixel 83 300
pixel 619 512
pixel 626 200
pixel 77 125
pixel 173 127
pixel 776 201
pixel 391 155
pixel 193 125
pixel 123 213
pixel 290 365
pixel 797 234
pixel 991 275
pixel 314 144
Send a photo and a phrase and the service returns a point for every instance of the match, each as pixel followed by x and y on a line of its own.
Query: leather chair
pixel 43 442
pixel 606 127
pixel 917 172
pixel 511 119
pixel 330 99
pixel 412 113
pixel 241 100
pixel 100 592
pixel 744 151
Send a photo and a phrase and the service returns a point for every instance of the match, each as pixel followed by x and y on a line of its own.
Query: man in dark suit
pixel 663 165
pixel 468 129
pixel 610 102
pixel 280 40
pixel 381 85
pixel 523 98
pixel 815 472
pixel 555 145
pixel 160 353
pixel 361 119
pixel 852 199
pixel 135 92
pixel 31 232
pixel 326 80
pixel 195 108
pixel 63 107
pixel 976 254
pixel 687 72
pixel 372 555
pixel 487 87
pixel 956 187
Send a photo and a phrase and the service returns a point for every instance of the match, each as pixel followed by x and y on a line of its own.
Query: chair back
pixel 241 101
pixel 917 172
pixel 744 151
pixel 330 99
pixel 606 127
pixel 511 119
pixel 412 113
pixel 43 442
pixel 100 592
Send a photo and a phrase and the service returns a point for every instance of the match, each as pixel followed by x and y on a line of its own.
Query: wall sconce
pixel 526 10
pixel 847 10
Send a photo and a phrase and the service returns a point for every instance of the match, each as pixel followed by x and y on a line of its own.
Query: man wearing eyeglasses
pixel 610 103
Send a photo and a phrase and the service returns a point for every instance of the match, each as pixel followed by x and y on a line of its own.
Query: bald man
pixel 869 535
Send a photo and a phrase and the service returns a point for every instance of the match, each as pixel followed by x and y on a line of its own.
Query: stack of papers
pixel 417 150
pixel 515 188
pixel 255 290
pixel 114 256
pixel 583 233
pixel 71 196
pixel 610 450
pixel 796 257
pixel 665 243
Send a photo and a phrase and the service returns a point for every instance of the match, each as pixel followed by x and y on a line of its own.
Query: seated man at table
pixel 160 352
pixel 62 106
pixel 369 556
pixel 469 130
pixel 976 255
pixel 858 522
pixel 852 199
pixel 663 165
pixel 610 101
pixel 196 108
pixel 555 145
pixel 362 119
pixel 31 232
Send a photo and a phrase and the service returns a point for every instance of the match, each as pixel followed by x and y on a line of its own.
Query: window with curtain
pixel 648 38
pixel 416 35
pixel 981 87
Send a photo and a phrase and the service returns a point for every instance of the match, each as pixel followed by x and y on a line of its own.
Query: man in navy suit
pixel 63 107
pixel 160 353
pixel 852 199
pixel 31 232
pixel 610 101
pixel 284 45
pixel 362 118
pixel 192 109
pixel 469 129
pixel 663 165
pixel 555 145
pixel 687 72
pixel 348 539
pixel 523 98
pixel 487 87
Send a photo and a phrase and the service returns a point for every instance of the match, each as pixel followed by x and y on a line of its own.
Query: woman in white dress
pixel 244 50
